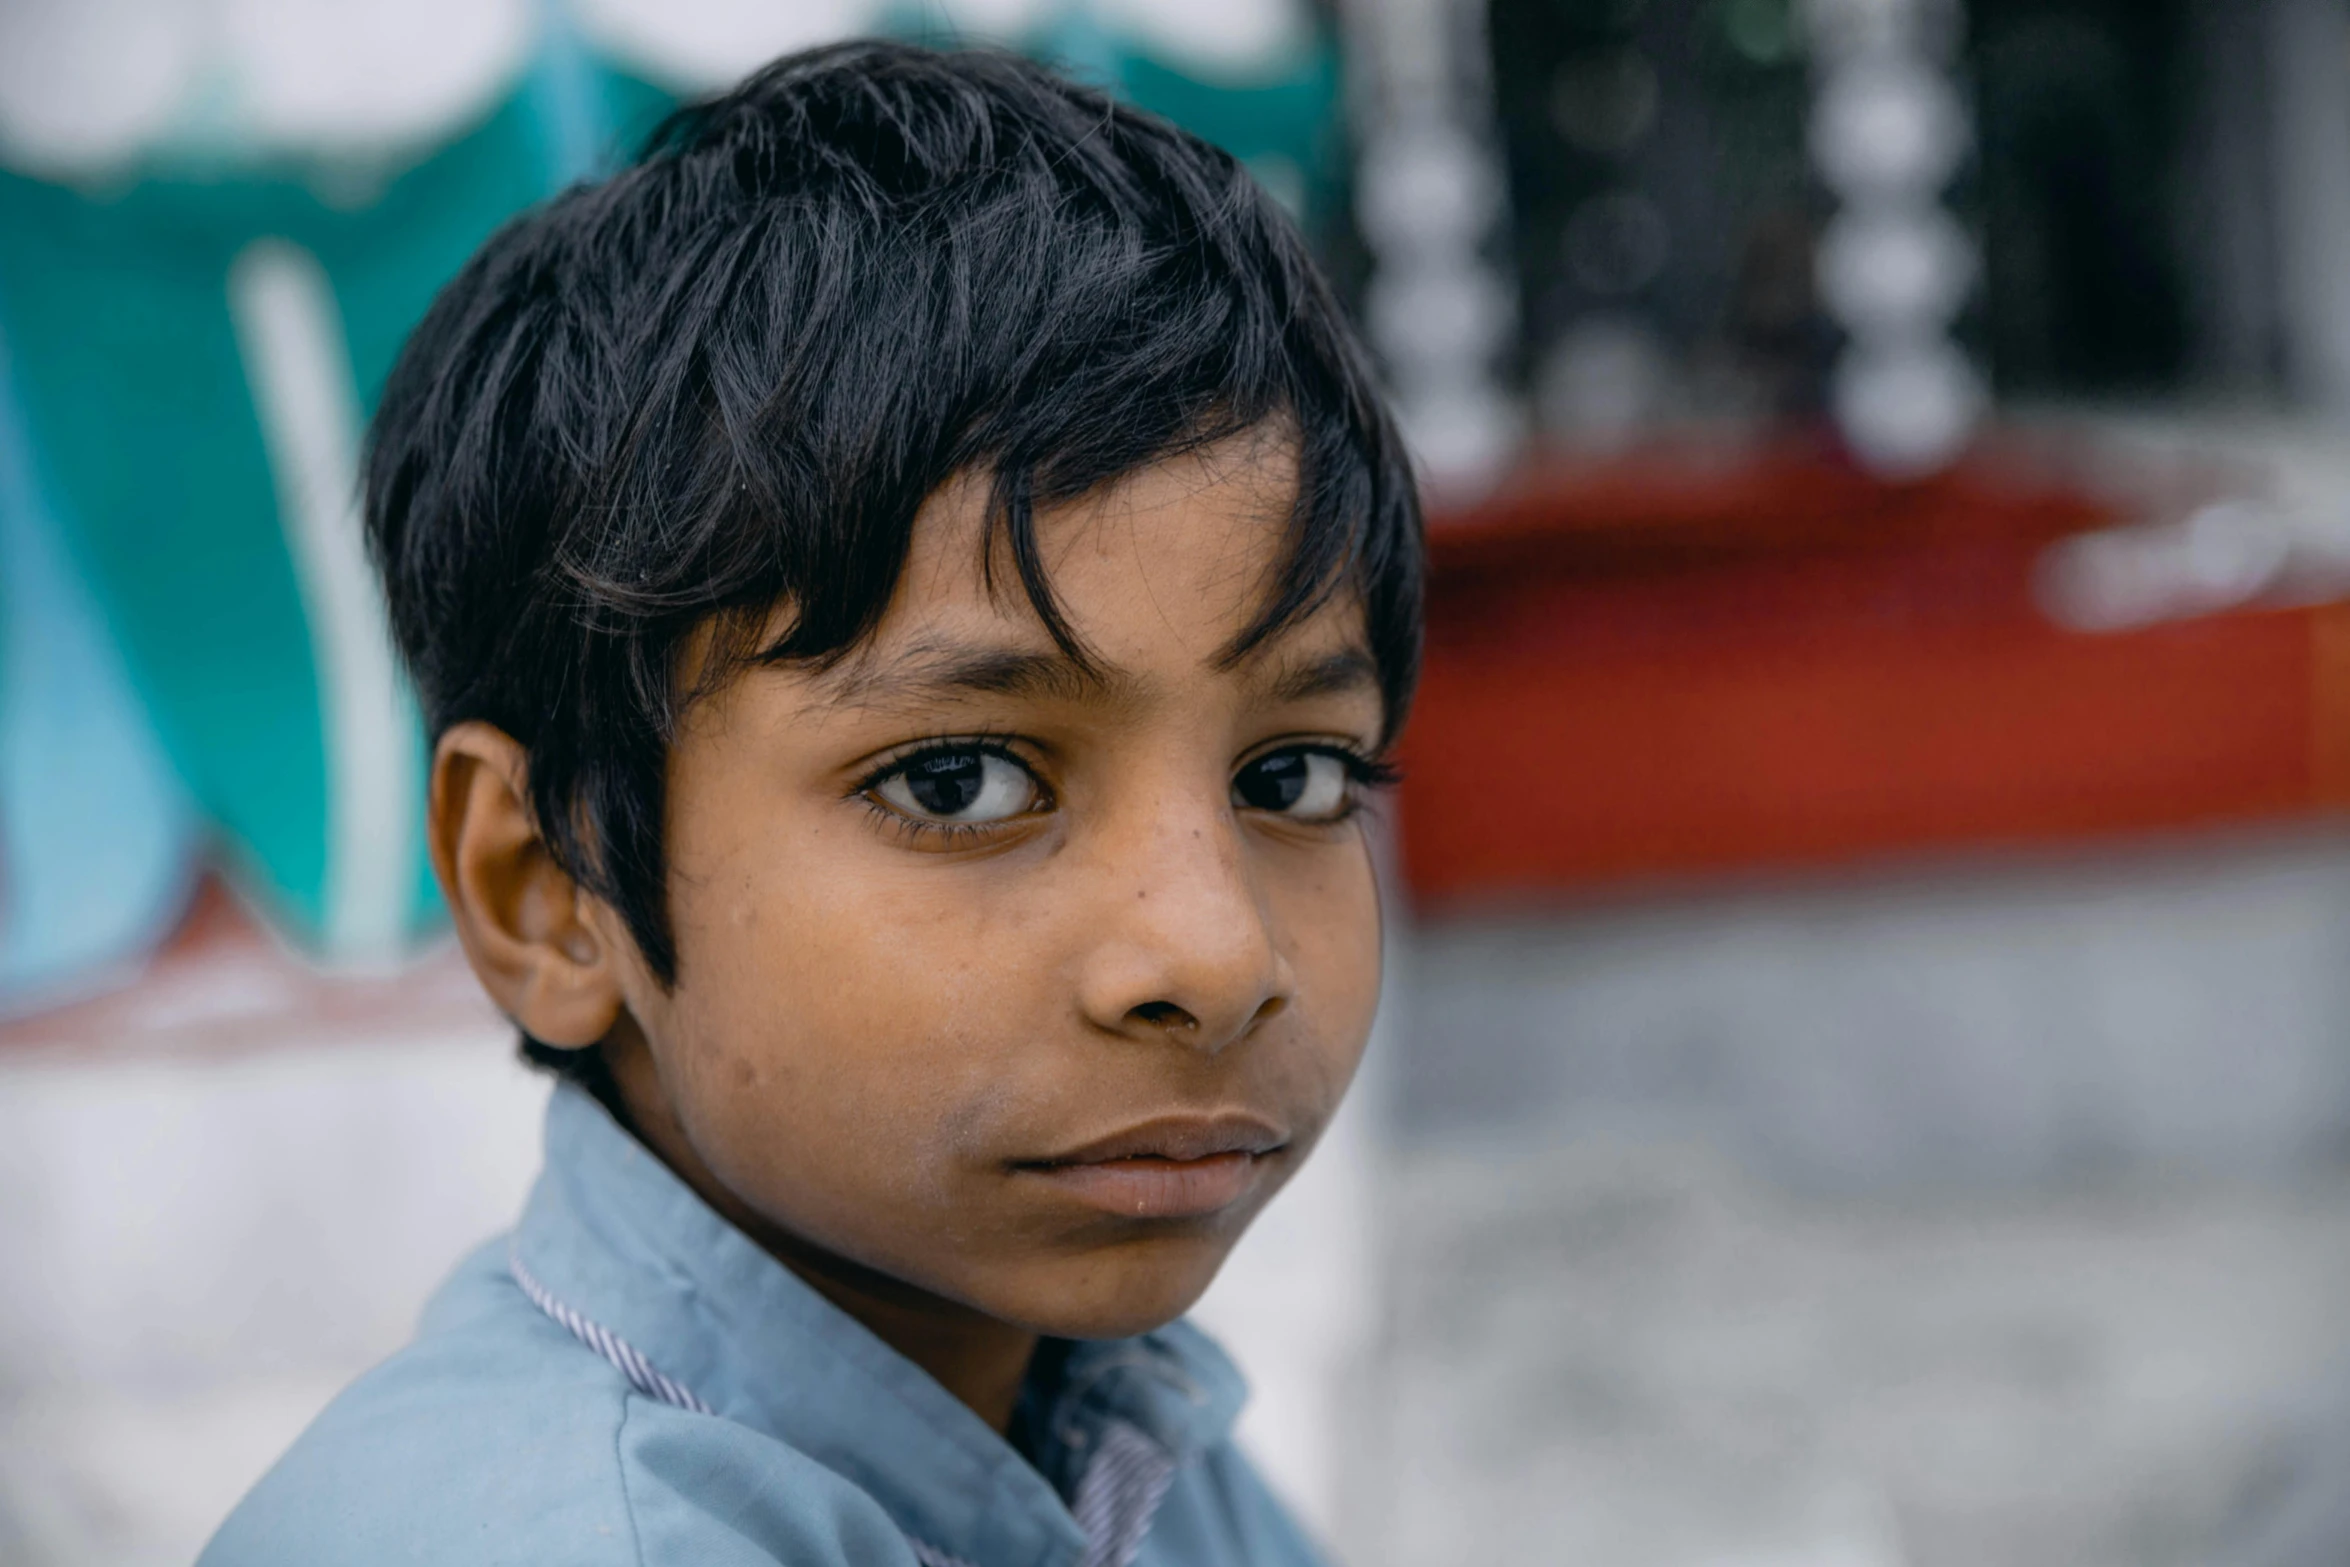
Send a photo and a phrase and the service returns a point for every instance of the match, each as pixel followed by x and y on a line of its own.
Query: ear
pixel 534 936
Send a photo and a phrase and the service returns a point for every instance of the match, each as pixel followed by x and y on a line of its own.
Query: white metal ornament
pixel 1888 131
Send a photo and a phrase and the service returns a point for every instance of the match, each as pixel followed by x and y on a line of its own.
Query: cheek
pixel 834 1010
pixel 1329 906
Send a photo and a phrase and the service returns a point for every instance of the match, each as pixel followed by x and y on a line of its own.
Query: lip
pixel 1175 1167
pixel 1178 1138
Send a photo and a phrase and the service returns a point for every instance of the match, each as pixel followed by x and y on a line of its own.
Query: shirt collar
pixel 613 1236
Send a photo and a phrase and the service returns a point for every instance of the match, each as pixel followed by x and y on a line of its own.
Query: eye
pixel 963 784
pixel 1304 785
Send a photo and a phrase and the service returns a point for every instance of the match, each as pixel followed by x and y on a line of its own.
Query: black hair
pixel 723 381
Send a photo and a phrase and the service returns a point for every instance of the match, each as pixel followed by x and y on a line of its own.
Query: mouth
pixel 1178 1167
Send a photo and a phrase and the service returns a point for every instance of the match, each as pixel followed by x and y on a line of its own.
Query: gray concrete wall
pixel 2182 1007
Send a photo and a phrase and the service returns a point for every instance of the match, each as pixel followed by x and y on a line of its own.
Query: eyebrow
pixel 941 671
pixel 1336 674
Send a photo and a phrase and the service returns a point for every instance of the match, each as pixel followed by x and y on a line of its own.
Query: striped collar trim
pixel 636 1267
pixel 1123 1485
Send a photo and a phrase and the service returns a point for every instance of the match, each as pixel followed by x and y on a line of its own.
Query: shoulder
pixel 443 1451
pixel 496 1438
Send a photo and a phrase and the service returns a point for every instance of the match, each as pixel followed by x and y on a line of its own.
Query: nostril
pixel 1164 1014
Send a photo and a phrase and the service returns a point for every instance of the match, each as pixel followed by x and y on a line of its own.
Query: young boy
pixel 910 583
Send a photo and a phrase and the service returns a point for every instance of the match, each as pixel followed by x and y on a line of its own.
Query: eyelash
pixel 916 828
pixel 1365 773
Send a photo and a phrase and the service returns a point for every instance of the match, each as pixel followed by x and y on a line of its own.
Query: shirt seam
pixel 636 1538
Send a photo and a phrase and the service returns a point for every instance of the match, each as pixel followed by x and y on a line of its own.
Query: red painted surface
pixel 1785 663
pixel 225 986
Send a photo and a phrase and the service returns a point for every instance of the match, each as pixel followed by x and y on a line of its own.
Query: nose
pixel 1184 950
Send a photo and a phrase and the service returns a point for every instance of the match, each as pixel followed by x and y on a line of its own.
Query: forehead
pixel 1214 522
pixel 1157 577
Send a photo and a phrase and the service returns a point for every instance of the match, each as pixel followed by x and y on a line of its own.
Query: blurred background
pixel 1865 1074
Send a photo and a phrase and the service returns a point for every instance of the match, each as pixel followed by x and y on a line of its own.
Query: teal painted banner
pixel 191 354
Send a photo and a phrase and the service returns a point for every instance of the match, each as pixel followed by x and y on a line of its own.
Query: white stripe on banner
pixel 291 336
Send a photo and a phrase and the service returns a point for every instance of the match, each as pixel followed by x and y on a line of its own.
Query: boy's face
pixel 1022 985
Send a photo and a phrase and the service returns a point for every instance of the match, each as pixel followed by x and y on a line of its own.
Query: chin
pixel 1118 1292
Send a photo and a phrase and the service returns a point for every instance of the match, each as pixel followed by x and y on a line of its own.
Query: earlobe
pixel 527 927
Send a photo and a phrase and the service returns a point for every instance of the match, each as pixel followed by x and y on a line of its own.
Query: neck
pixel 980 1360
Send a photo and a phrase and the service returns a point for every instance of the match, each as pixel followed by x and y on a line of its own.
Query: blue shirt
pixel 628 1379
